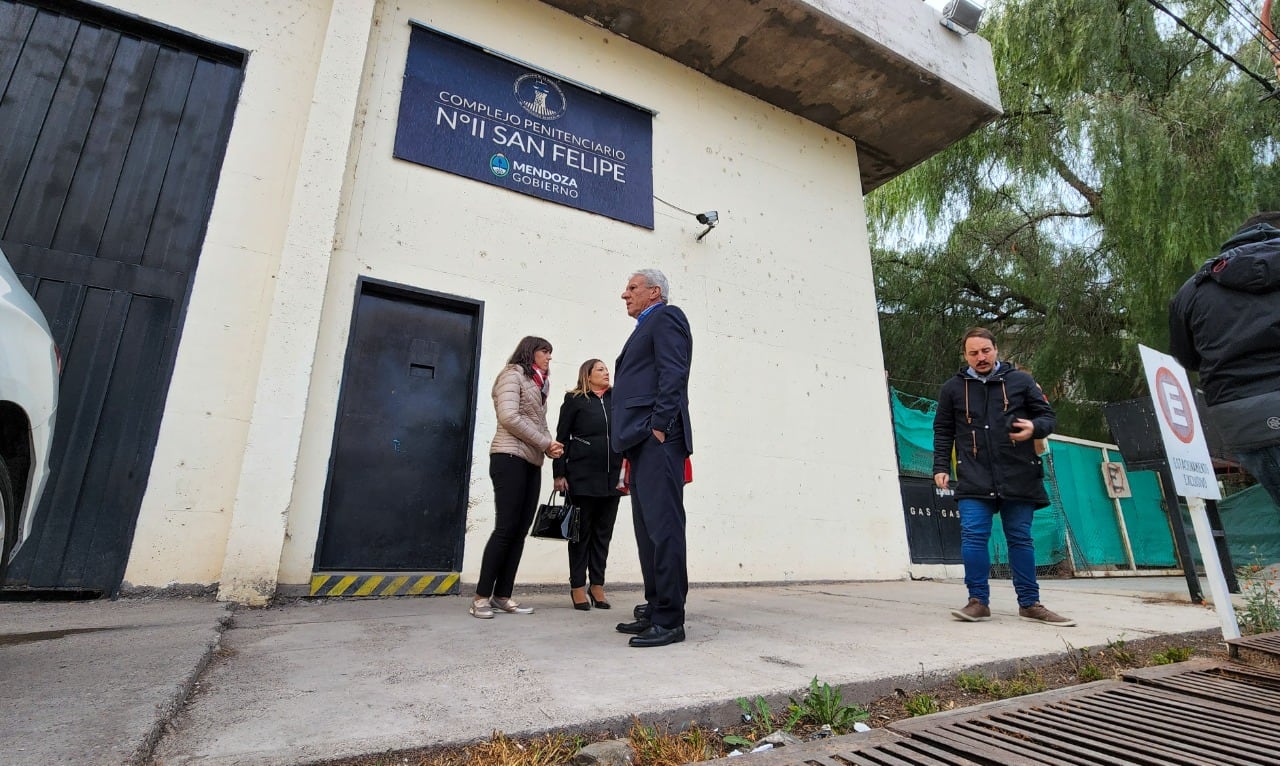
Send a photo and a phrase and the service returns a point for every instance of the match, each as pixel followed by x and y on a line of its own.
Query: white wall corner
pixel 250 569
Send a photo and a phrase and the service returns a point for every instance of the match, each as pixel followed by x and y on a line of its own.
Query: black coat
pixel 974 416
pixel 1225 321
pixel 591 467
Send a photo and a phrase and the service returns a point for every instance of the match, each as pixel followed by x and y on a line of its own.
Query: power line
pixel 1238 12
pixel 1271 89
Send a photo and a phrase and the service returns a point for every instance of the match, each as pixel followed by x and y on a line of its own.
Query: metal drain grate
pixel 1267 643
pixel 1193 714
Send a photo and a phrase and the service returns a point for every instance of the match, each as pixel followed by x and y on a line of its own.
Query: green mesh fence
pixel 1080 510
pixel 1090 515
pixel 1251 522
pixel 913 429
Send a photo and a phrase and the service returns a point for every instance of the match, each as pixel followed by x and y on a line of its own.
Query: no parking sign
pixel 1191 468
pixel 1184 443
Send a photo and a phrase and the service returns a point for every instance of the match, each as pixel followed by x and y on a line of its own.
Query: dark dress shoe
pixel 582 606
pixel 635 628
pixel 598 604
pixel 657 635
pixel 642 612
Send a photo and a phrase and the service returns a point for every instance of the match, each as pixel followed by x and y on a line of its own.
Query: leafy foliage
pixel 921 704
pixel 823 705
pixel 1127 153
pixel 757 716
pixel 1172 654
pixel 1261 612
pixel 1025 682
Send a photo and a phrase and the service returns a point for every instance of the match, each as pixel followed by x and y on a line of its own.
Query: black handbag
pixel 557 521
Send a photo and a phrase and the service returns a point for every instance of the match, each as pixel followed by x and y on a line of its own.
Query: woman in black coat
pixel 588 472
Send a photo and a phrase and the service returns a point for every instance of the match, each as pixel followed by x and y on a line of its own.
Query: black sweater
pixel 590 466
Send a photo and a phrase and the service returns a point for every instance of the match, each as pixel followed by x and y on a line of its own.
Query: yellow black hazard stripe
pixel 384 584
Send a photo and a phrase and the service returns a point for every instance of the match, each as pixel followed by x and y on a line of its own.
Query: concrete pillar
pixel 250 569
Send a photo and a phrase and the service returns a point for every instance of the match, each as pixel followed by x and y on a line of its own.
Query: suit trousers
pixel 657 509
pixel 516 484
pixel 588 556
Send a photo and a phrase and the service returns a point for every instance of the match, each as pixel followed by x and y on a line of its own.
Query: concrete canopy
pixel 882 72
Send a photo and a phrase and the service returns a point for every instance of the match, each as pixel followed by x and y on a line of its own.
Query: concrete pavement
pixel 93 682
pixel 316 680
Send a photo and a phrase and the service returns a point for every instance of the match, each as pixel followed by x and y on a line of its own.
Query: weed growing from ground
pixel 1091 672
pixel 1261 613
pixel 501 750
pixel 1119 651
pixel 974 683
pixel 823 706
pixel 1172 654
pixel 660 748
pixel 921 704
pixel 1025 682
pixel 757 716
pixel 1082 663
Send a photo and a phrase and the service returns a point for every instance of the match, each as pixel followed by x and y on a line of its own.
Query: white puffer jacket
pixel 522 416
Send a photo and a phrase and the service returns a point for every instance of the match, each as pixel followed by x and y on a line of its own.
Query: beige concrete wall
pixel 185 518
pixel 795 475
pixel 794 468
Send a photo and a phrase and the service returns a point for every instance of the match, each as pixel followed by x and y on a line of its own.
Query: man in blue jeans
pixel 989 414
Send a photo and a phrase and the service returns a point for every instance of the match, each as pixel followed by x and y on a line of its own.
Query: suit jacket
pixel 651 380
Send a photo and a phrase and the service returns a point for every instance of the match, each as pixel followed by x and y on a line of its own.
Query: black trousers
pixel 657 509
pixel 516 484
pixel 589 555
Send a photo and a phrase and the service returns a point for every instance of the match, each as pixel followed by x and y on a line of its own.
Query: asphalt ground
pixel 188 681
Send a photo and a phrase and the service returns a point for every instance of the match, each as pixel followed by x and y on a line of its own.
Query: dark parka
pixel 1225 321
pixel 591 467
pixel 974 416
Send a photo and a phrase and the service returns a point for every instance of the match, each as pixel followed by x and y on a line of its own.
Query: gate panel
pixel 112 133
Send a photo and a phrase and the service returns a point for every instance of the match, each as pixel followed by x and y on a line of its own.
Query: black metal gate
pixel 397 493
pixel 112 133
pixel 933 522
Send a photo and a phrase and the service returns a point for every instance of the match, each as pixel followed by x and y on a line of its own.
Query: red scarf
pixel 543 381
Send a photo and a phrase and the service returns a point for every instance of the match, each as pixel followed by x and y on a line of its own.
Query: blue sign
pixel 470 112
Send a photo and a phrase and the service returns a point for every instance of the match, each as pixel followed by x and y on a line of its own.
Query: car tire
pixel 8 518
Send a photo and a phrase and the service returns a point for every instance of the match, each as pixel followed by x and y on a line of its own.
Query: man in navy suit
pixel 650 427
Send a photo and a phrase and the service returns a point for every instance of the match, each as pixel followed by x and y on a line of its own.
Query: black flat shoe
pixel 634 628
pixel 601 604
pixel 657 635
pixel 641 612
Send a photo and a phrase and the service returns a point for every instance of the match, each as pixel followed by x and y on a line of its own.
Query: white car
pixel 29 370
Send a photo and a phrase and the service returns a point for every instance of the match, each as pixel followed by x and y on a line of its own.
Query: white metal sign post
pixel 1192 469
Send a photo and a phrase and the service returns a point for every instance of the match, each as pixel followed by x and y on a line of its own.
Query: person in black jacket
pixel 1225 323
pixel 589 473
pixel 989 414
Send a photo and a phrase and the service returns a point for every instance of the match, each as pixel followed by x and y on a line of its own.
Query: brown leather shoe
pixel 974 611
pixel 1038 612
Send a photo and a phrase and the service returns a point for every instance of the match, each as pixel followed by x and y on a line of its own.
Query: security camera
pixel 709 218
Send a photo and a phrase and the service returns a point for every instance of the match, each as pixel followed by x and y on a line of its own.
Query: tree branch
pixel 1092 196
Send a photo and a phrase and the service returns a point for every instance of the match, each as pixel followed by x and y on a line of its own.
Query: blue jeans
pixel 1264 465
pixel 975 532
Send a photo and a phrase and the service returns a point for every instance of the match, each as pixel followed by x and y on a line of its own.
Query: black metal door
pixel 112 133
pixel 401 462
